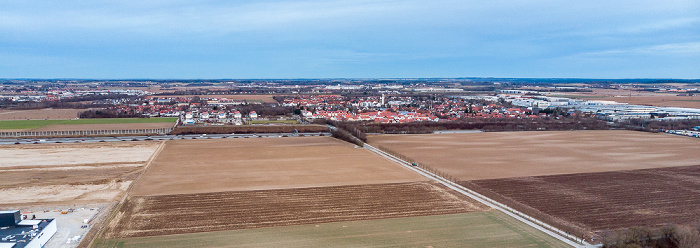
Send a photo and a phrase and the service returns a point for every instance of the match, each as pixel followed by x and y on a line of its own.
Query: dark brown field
pixel 205 212
pixel 594 202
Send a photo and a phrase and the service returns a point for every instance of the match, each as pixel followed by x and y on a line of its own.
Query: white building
pixel 18 233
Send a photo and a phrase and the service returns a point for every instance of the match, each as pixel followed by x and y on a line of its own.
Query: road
pixel 154 137
pixel 539 225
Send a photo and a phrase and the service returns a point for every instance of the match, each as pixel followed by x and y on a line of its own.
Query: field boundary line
pixel 145 167
pixel 118 206
pixel 546 228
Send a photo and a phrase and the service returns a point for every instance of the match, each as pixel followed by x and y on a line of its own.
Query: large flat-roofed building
pixel 18 233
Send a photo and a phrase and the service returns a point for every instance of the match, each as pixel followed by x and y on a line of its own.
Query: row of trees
pixel 551 124
pixel 351 128
pixel 672 236
pixel 343 134
pixel 652 125
pixel 108 113
pixel 264 109
pixel 81 102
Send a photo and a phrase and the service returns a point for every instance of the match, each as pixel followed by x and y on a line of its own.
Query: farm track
pixel 204 212
pixel 608 200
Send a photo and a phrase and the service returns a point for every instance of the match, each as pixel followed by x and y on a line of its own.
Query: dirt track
pixel 205 212
pixel 216 165
pixel 474 156
pixel 608 200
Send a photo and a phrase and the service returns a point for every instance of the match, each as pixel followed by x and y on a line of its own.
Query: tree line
pixel 108 113
pixel 359 129
pixel 671 236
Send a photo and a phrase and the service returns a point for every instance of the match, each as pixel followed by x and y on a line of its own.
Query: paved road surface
pixel 155 137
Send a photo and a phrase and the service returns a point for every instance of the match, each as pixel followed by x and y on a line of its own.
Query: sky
pixel 184 39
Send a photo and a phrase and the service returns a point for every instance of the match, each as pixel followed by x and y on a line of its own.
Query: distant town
pixel 111 163
pixel 245 102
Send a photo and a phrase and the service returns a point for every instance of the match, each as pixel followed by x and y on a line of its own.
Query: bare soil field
pixel 206 212
pixel 594 202
pixel 40 114
pixel 641 98
pixel 85 154
pixel 660 100
pixel 63 194
pixel 50 174
pixel 68 175
pixel 119 126
pixel 217 165
pixel 264 98
pixel 474 156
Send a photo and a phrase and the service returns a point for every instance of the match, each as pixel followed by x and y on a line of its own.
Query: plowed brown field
pixel 607 200
pixel 188 213
pixel 217 165
pixel 474 156
pixel 40 114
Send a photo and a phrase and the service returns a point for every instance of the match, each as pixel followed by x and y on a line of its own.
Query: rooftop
pixel 18 236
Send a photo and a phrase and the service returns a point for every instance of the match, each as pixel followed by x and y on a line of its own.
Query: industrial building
pixel 18 232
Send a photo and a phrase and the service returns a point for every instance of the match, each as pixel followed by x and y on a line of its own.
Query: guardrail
pixel 158 131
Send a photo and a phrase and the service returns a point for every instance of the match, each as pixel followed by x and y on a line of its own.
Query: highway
pixel 153 137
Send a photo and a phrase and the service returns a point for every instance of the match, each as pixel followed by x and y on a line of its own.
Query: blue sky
pixel 349 39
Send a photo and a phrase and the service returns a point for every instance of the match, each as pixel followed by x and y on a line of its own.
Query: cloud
pixel 661 25
pixel 672 49
pixel 349 35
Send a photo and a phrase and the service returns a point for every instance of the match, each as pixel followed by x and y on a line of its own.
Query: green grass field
pixel 31 124
pixel 481 229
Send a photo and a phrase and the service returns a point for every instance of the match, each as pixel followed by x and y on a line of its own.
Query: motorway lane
pixel 152 137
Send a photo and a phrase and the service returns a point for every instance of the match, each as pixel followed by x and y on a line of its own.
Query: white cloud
pixel 350 33
pixel 665 24
pixel 672 49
